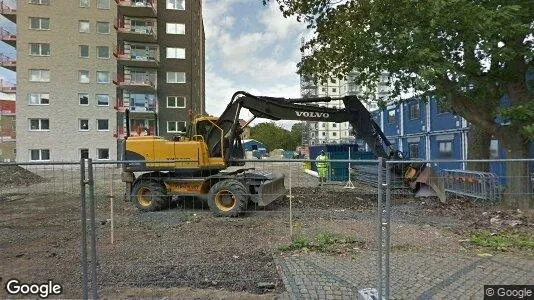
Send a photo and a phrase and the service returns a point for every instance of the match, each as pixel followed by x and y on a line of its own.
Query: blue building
pixel 430 131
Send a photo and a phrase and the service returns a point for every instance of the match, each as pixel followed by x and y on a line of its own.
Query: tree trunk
pixel 478 148
pixel 518 192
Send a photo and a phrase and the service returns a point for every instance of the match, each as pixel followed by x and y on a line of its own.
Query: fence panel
pixel 40 227
pixel 186 248
pixel 476 237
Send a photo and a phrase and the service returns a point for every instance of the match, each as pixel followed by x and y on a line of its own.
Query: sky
pixel 249 47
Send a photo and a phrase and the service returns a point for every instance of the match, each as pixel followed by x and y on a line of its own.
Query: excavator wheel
pixel 149 195
pixel 227 198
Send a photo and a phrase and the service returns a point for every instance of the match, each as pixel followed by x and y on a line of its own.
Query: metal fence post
pixel 83 182
pixel 386 227
pixel 92 206
pixel 380 283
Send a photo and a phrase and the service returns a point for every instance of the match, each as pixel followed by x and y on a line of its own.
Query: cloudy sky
pixel 249 47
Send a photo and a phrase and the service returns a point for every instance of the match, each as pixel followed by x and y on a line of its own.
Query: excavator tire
pixel 149 195
pixel 228 198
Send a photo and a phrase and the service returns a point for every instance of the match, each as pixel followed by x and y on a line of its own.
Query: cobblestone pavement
pixel 413 275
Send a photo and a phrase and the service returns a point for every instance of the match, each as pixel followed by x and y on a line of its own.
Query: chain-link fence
pixel 305 239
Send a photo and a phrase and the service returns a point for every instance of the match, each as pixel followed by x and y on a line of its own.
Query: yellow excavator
pixel 197 164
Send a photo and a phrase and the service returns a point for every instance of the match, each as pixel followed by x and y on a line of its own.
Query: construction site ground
pixel 185 251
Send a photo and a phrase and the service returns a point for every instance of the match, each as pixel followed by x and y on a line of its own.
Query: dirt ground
pixel 185 251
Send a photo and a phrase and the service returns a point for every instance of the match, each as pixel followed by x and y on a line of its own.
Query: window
pixel 414 111
pixel 84 76
pixel 102 4
pixel 84 99
pixel 84 51
pixel 176 4
pixel 334 90
pixel 413 150
pixel 84 3
pixel 102 124
pixel 445 149
pixel 39 154
pixel 39 75
pixel 175 77
pixel 40 49
pixel 176 53
pixel 103 153
pixel 324 133
pixel 494 149
pixel 84 153
pixel 84 124
pixel 39 23
pixel 392 118
pixel 175 28
pixel 334 133
pixel 102 51
pixel 102 77
pixel 102 99
pixel 40 2
pixel 84 26
pixel 333 81
pixel 334 125
pixel 39 124
pixel 38 99
pixel 175 126
pixel 102 27
pixel 175 102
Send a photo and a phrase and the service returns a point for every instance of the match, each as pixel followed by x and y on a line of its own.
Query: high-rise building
pixel 81 63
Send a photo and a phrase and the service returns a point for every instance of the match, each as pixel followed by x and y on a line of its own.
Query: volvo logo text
pixel 312 114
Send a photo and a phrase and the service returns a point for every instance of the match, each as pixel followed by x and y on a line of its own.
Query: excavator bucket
pixel 271 189
pixel 426 184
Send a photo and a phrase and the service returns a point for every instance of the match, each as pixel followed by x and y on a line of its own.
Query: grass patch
pixel 324 241
pixel 503 241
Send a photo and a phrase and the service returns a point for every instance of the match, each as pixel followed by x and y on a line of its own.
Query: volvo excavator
pixel 207 161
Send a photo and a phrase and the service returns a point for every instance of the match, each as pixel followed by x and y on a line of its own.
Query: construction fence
pixel 71 224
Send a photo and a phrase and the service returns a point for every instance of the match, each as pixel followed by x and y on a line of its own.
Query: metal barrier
pixel 479 185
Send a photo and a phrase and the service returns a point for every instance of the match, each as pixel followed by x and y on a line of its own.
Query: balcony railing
pixel 8 89
pixel 8 12
pixel 137 131
pixel 122 106
pixel 138 8
pixel 146 33
pixel 8 62
pixel 131 58
pixel 7 37
pixel 136 82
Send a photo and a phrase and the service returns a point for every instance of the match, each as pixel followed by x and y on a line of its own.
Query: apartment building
pixel 81 63
pixel 160 65
pixel 330 132
pixel 7 127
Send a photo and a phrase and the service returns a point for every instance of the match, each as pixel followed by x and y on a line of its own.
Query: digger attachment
pixel 424 181
pixel 271 187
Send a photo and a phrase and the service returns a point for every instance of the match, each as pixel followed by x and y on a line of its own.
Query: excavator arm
pixel 416 175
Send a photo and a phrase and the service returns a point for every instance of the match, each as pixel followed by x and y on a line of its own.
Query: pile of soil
pixel 13 175
pixel 328 197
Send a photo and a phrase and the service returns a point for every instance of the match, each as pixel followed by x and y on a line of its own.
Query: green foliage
pixel 467 52
pixel 503 241
pixel 298 243
pixel 275 137
pixel 522 115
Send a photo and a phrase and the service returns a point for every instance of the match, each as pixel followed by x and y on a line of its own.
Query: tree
pixel 276 137
pixel 472 53
pixel 296 134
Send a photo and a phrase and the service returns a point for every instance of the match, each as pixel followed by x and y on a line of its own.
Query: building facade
pixel 8 135
pixel 316 133
pixel 81 63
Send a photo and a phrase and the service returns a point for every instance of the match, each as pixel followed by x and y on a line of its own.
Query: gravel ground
pixel 186 251
pixel 11 175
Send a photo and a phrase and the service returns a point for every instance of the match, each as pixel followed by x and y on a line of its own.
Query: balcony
pixel 8 63
pixel 7 37
pixel 137 8
pixel 135 107
pixel 136 81
pixel 8 89
pixel 136 30
pixel 8 12
pixel 132 55
pixel 136 130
